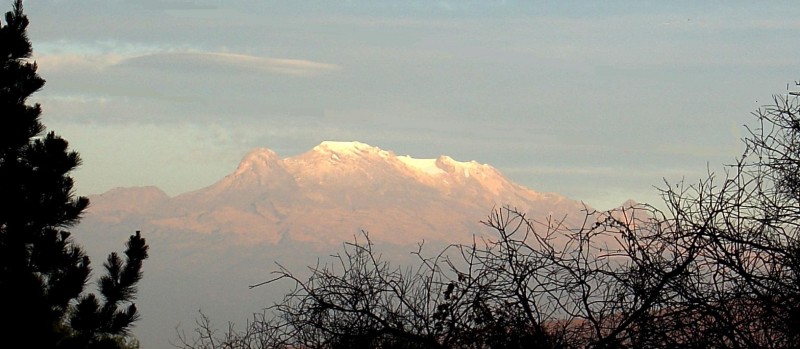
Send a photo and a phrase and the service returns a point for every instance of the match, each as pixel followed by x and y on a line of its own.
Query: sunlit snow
pixel 349 148
pixel 425 165
pixel 431 167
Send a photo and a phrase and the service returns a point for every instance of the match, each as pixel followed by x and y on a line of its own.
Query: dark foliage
pixel 717 267
pixel 42 271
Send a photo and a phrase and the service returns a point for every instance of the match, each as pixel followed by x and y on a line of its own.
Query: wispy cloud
pixel 215 61
pixel 196 61
pixel 77 62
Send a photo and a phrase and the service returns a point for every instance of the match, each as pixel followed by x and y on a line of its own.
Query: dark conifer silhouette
pixel 42 271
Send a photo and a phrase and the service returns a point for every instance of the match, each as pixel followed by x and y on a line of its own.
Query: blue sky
pixel 596 100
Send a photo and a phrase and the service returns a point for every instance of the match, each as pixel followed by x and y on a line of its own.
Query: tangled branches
pixel 718 267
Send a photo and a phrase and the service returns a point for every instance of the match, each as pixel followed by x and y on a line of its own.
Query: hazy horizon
pixel 587 104
pixel 598 102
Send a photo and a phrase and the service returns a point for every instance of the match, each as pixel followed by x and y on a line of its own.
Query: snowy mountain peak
pixel 257 160
pixel 335 152
pixel 301 207
pixel 326 194
pixel 349 148
pixel 449 165
pixel 427 166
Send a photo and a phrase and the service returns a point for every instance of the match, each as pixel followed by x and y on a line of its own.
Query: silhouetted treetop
pixel 43 272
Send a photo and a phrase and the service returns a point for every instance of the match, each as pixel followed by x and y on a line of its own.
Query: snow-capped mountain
pixel 330 193
pixel 208 245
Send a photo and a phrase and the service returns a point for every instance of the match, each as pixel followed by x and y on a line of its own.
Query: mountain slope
pixel 208 245
pixel 333 191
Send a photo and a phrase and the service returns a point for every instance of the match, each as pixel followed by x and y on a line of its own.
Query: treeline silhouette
pixel 717 266
pixel 43 272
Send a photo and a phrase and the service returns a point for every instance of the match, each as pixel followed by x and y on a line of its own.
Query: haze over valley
pixel 208 245
pixel 242 137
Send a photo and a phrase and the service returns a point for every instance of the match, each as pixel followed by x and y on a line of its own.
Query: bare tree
pixel 717 267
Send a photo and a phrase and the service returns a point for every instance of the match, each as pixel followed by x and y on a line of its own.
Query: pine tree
pixel 42 270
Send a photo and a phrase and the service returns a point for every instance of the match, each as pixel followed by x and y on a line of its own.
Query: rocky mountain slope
pixel 330 193
pixel 208 245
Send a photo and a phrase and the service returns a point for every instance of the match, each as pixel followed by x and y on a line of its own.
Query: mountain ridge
pixel 334 190
pixel 209 244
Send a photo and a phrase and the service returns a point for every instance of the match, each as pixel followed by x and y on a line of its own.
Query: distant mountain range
pixel 208 245
pixel 330 193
